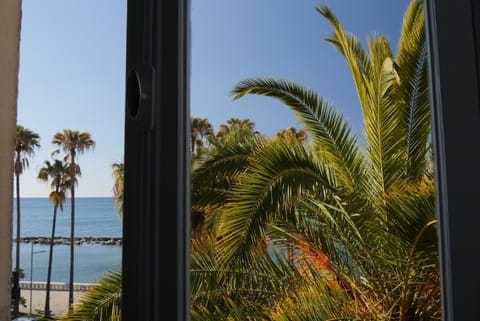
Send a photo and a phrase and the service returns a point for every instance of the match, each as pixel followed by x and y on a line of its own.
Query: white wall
pixel 10 13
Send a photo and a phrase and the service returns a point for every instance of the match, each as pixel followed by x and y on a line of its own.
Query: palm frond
pixel 101 303
pixel 412 94
pixel 324 124
pixel 251 288
pixel 352 50
pixel 279 175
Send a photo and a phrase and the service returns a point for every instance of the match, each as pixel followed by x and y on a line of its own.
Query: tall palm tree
pixel 26 142
pixel 292 133
pixel 60 176
pixel 118 186
pixel 361 216
pixel 73 143
pixel 234 131
pixel 200 128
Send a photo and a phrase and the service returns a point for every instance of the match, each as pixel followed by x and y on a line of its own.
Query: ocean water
pixel 93 217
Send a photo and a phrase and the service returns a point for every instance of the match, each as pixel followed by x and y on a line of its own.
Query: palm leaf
pixel 279 175
pixel 324 124
pixel 251 288
pixel 412 94
pixel 101 303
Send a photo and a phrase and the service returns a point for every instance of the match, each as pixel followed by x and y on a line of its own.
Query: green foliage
pixel 26 141
pixel 118 174
pixel 101 303
pixel 357 220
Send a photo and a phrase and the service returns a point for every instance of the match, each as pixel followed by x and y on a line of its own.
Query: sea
pixel 95 217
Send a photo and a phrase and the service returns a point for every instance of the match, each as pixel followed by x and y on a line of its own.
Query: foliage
pixel 100 303
pixel 200 128
pixel 356 216
pixel 58 171
pixel 118 174
pixel 292 133
pixel 26 142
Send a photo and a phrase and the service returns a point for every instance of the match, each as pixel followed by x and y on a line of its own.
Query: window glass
pixel 71 99
pixel 312 174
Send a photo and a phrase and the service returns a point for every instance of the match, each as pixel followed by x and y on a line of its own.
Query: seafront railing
pixel 56 286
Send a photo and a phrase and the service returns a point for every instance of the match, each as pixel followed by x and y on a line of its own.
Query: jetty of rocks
pixel 61 240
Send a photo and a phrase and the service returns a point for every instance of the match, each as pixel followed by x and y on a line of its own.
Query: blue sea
pixel 93 217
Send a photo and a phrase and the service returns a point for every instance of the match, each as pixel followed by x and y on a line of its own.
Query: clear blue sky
pixel 72 64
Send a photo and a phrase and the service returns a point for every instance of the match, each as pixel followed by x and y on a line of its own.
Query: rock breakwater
pixel 61 240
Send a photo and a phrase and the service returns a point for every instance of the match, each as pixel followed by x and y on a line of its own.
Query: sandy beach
pixel 58 301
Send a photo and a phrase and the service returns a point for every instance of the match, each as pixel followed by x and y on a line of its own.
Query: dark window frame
pixel 456 133
pixel 157 165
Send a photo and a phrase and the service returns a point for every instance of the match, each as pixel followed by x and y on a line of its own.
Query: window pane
pixel 317 200
pixel 71 98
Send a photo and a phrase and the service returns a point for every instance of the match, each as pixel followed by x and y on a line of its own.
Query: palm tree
pixel 59 173
pixel 72 142
pixel 118 186
pixel 292 133
pixel 234 131
pixel 239 128
pixel 25 144
pixel 200 128
pixel 361 216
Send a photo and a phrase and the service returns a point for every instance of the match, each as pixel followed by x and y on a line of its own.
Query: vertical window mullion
pixel 155 254
pixel 456 137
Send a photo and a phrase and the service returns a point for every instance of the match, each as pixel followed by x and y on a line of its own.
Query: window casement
pixel 456 136
pixel 156 201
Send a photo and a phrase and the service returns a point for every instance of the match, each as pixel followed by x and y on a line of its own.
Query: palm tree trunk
pixel 192 143
pixel 50 258
pixel 72 247
pixel 16 274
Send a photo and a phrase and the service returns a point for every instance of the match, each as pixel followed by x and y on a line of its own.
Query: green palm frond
pixel 252 288
pixel 101 303
pixel 375 76
pixel 231 312
pixel 412 94
pixel 26 141
pixel 322 300
pixel 323 123
pixel 215 172
pixel 278 176
pixel 352 50
pixel 213 175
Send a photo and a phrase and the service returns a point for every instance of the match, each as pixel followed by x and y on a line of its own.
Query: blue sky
pixel 72 62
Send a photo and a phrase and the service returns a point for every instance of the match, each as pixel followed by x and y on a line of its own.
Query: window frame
pixel 157 165
pixel 456 132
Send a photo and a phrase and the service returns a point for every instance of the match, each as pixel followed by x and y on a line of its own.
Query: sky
pixel 72 69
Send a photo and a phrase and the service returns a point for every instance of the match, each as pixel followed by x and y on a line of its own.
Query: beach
pixel 58 301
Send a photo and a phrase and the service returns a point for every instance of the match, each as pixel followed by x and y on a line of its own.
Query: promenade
pixel 58 296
